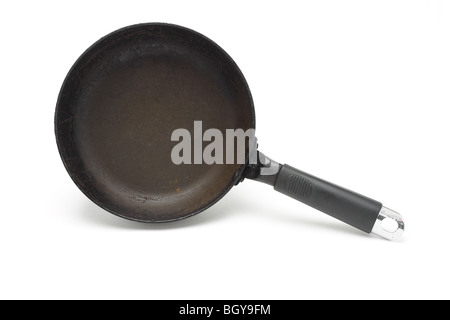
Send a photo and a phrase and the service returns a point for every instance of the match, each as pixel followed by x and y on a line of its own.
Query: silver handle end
pixel 389 225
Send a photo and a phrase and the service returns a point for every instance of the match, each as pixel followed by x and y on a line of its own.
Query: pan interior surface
pixel 117 110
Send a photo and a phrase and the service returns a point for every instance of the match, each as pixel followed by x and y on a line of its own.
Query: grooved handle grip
pixel 352 208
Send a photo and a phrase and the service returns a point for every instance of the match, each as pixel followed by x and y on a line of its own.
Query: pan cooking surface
pixel 120 104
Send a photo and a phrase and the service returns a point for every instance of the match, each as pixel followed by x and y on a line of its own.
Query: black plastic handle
pixel 352 208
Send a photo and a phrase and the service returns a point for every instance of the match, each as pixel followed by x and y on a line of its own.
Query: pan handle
pixel 352 208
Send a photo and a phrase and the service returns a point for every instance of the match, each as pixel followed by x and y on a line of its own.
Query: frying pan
pixel 124 97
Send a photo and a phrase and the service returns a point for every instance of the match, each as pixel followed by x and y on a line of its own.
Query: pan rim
pixel 238 177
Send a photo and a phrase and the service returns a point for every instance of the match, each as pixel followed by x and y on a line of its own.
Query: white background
pixel 356 92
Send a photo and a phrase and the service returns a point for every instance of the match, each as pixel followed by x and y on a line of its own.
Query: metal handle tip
pixel 389 224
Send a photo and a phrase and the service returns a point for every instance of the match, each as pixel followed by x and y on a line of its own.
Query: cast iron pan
pixel 123 98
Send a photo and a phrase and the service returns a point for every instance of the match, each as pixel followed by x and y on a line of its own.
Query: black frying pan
pixel 124 97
